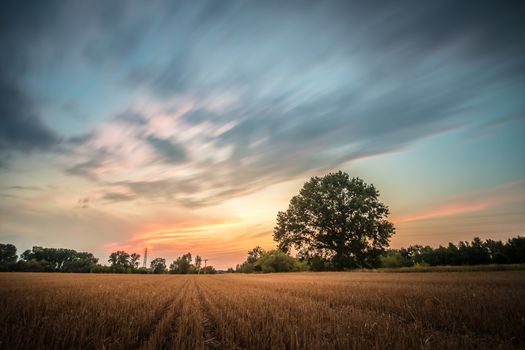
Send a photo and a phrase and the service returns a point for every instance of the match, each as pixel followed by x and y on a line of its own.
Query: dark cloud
pixel 484 27
pixel 169 150
pixel 79 139
pixel 88 168
pixel 117 197
pixel 83 203
pixel 24 188
pixel 185 191
pixel 21 129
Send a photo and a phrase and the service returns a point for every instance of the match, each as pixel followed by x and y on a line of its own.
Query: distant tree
pixel 246 267
pixel 249 265
pixel 158 265
pixel 497 251
pixel 134 260
pixel 81 262
pixel 255 254
pixel 479 253
pixel 209 270
pixel 56 260
pixel 120 259
pixel 453 255
pixel 476 252
pixel 101 269
pixel 7 254
pixel 338 218
pixel 8 257
pixel 516 250
pixel 198 262
pixel 182 265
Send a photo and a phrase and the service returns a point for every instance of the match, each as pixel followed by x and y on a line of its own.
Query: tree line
pixel 477 252
pixel 40 259
pixel 122 262
pixel 258 260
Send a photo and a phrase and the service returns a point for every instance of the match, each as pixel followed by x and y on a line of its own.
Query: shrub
pixel 278 261
pixel 392 259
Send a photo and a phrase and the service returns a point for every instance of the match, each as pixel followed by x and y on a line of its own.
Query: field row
pixel 280 311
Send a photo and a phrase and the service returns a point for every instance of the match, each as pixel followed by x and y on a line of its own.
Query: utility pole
pixel 205 261
pixel 145 257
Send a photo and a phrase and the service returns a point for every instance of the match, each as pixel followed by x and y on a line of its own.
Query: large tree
pixel 337 218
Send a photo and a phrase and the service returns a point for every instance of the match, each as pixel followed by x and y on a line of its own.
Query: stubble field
pixel 280 311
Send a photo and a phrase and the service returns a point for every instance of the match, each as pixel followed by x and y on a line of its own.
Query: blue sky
pixel 122 122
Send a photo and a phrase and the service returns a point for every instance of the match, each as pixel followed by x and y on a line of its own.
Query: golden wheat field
pixel 276 311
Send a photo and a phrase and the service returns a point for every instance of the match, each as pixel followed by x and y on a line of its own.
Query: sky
pixel 187 125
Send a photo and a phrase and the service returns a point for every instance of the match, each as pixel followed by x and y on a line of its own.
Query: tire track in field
pixel 209 326
pixel 167 323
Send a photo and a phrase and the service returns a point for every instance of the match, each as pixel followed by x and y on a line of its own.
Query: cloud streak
pixel 290 93
pixel 510 193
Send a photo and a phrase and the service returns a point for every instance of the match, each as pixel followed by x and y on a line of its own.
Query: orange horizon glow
pixel 226 241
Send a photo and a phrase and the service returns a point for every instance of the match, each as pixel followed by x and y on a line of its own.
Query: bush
pixel 246 267
pixel 392 259
pixel 101 269
pixel 278 261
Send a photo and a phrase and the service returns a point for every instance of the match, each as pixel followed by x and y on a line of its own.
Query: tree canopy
pixel 338 218
pixel 7 254
pixel 477 252
pixel 56 260
pixel 158 265
pixel 183 265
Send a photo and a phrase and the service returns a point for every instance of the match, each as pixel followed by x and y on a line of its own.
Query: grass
pixel 462 268
pixel 374 310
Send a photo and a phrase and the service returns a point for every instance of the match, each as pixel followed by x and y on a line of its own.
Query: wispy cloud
pixel 255 94
pixel 509 193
